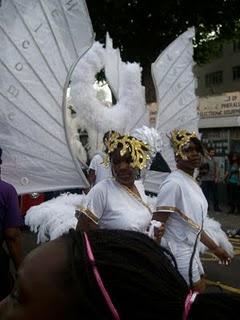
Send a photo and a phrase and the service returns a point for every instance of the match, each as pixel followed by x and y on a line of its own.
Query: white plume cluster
pixel 97 118
pixel 214 230
pixel 53 218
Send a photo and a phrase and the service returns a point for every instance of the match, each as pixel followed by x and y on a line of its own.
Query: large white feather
pixel 39 42
pixel 52 218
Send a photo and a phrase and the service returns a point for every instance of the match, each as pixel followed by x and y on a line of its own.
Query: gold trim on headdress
pixel 179 139
pixel 138 149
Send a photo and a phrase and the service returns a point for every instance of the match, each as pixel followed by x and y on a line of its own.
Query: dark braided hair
pixel 217 306
pixel 135 271
pixel 140 279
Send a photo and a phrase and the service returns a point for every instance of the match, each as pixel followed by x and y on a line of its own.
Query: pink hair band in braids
pixel 188 303
pixel 98 278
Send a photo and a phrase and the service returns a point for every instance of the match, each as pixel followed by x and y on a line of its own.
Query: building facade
pixel 219 102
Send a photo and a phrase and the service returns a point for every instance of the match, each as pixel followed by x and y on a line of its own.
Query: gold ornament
pixel 138 149
pixel 179 139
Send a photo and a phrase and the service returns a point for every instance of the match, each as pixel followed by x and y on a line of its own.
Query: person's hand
pixel 222 255
pixel 159 232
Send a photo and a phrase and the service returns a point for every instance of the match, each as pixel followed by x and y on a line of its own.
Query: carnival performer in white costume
pixel 183 207
pixel 98 171
pixel 119 203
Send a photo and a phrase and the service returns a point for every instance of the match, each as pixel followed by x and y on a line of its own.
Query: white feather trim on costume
pixel 215 232
pixel 52 218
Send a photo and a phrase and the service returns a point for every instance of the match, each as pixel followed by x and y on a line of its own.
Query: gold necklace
pixel 135 196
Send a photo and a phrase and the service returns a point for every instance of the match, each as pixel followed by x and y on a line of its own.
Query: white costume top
pixel 113 206
pixel 180 195
pixel 101 171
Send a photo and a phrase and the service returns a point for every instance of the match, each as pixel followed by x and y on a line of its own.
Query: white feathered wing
pixel 39 42
pixel 175 86
pixel 176 99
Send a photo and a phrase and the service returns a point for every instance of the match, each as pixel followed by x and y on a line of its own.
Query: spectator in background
pixel 232 179
pixel 10 222
pixel 209 174
pixel 97 169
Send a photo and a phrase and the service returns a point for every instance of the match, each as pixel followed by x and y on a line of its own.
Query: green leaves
pixel 143 28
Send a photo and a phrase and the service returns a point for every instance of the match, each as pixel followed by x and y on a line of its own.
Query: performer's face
pixel 38 292
pixel 121 168
pixel 192 156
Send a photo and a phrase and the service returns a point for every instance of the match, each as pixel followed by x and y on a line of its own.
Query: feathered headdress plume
pixel 138 149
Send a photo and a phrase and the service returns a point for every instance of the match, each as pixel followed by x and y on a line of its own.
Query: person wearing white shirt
pixel 98 171
pixel 120 202
pixel 182 206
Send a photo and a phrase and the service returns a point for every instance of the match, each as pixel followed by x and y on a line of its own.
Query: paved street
pixel 228 277
pixel 228 221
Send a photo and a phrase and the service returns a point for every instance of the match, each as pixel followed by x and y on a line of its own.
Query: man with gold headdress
pixel 183 207
pixel 119 202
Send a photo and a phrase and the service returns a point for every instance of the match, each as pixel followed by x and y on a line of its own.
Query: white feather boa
pixel 53 218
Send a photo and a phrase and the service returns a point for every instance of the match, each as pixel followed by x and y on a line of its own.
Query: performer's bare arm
pixel 215 249
pixel 85 224
pixel 91 177
pixel 159 233
pixel 161 216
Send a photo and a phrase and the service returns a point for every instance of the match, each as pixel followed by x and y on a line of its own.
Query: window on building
pixel 236 73
pixel 236 45
pixel 213 78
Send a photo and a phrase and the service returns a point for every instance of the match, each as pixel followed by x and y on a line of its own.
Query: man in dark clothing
pixel 209 177
pixel 10 234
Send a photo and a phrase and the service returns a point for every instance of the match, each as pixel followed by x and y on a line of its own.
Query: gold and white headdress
pixel 179 139
pixel 138 149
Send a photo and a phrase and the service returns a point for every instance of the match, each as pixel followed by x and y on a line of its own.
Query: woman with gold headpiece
pixel 183 207
pixel 119 202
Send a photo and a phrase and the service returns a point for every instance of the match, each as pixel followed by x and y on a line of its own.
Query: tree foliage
pixel 143 28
